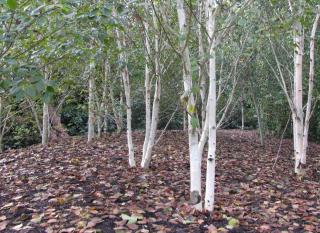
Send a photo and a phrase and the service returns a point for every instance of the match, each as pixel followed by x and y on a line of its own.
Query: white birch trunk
pixel 202 73
pixel 210 176
pixel 91 115
pixel 156 101
pixel 310 90
pixel 195 158
pixel 297 92
pixel 147 85
pixel 126 83
pixel 45 116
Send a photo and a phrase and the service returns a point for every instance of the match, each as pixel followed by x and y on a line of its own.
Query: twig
pixel 165 128
pixel 278 153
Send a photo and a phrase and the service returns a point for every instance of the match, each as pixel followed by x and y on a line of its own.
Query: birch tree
pixel 188 96
pixel 45 114
pixel 300 119
pixel 121 44
pixel 91 114
pixel 151 129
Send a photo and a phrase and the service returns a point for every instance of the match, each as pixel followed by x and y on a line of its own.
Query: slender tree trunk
pixel 260 125
pixel 45 115
pixel 116 113
pixel 147 84
pixel 1 144
pixel 195 158
pixel 210 176
pixel 310 89
pixel 104 96
pixel 185 120
pixel 202 73
pixel 35 114
pixel 4 117
pixel 298 97
pixel 1 124
pixel 242 110
pixel 126 83
pixel 258 109
pixel 91 118
pixel 156 101
pixel 99 126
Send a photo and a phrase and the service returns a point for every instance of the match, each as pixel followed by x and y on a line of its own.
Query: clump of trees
pixel 200 65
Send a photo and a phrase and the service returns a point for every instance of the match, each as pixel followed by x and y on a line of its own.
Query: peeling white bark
pixel 210 175
pixel 195 158
pixel 126 83
pixel 156 101
pixel 310 89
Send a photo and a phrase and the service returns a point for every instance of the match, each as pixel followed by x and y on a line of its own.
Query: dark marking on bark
pixel 195 197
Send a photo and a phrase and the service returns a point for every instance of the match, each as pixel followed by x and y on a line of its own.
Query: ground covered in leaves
pixel 75 187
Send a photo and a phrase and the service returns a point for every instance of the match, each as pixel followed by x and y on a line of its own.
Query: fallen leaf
pixel 212 229
pixel 3 225
pixel 17 227
pixel 132 226
pixel 93 222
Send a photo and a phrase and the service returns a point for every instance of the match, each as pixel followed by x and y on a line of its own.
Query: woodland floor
pixel 75 187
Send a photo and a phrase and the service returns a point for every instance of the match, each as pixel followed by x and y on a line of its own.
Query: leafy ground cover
pixel 75 187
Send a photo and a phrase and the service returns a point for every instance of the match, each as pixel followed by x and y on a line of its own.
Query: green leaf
pixel 47 96
pixel 12 4
pixel 232 223
pixel 50 89
pixel 40 85
pixel 5 84
pixel 131 219
pixel 191 109
pixel 31 91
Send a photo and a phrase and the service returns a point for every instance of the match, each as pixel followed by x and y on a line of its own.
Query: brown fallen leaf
pixel 68 230
pixel 309 228
pixel 3 225
pixel 132 226
pixel 93 222
pixel 265 228
pixel 212 229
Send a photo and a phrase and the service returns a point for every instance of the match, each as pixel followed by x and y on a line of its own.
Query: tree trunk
pixel 91 118
pixel 242 111
pixel 310 89
pixel 185 127
pixel 202 73
pixel 126 83
pixel 45 115
pixel 147 84
pixel 210 176
pixel 297 92
pixel 195 158
pixel 156 101
pixel 117 115
pixel 1 124
pixel 104 96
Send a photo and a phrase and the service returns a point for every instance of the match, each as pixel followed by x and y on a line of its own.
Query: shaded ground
pixel 73 187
